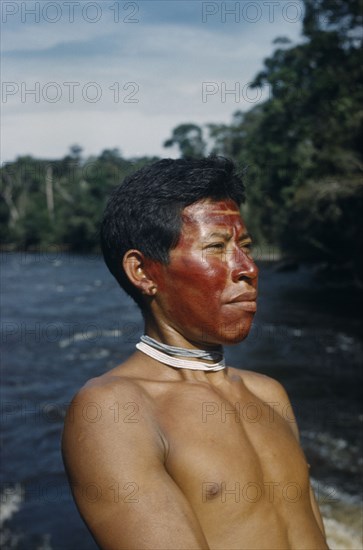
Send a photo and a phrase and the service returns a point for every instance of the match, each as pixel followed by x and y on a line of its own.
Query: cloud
pixel 95 83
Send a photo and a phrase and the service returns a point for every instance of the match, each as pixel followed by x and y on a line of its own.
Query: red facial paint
pixel 208 290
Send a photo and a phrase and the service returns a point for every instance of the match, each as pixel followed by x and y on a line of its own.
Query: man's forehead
pixel 205 220
pixel 211 211
pixel 226 212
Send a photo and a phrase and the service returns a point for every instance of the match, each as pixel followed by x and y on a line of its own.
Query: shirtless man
pixel 171 451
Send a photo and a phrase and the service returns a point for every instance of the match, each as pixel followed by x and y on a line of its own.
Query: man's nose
pixel 244 267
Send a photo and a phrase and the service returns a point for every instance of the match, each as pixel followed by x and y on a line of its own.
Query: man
pixel 173 450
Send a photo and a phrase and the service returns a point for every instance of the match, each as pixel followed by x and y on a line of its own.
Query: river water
pixel 65 320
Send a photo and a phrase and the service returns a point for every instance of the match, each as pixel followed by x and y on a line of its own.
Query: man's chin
pixel 228 338
pixel 237 339
pixel 237 332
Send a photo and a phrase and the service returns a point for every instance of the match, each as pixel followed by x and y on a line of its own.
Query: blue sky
pixel 108 74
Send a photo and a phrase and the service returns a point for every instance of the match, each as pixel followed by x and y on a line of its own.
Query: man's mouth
pixel 249 296
pixel 246 301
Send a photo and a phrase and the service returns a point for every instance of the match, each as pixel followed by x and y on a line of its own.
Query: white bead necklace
pixel 166 354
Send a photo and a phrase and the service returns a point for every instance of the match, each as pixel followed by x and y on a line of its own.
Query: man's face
pixel 207 292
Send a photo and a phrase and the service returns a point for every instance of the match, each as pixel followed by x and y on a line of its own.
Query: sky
pixel 114 74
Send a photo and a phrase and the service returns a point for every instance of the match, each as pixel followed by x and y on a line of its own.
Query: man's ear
pixel 134 266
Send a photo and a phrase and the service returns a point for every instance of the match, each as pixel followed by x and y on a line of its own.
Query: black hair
pixel 144 212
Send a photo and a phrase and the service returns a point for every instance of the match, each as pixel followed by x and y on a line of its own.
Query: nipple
pixel 210 491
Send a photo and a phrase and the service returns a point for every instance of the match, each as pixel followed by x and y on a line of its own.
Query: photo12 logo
pixel 69 12
pixel 70 92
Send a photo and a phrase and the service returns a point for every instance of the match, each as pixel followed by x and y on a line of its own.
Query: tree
pixel 59 201
pixel 189 139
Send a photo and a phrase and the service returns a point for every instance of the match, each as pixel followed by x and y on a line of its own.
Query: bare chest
pixel 237 461
pixel 232 448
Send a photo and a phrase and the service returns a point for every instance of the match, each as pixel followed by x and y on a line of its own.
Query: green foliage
pixel 189 139
pixel 61 201
pixel 324 222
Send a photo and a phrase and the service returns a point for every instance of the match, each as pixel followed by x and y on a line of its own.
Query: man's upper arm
pixel 114 459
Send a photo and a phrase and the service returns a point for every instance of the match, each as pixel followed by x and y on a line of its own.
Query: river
pixel 65 320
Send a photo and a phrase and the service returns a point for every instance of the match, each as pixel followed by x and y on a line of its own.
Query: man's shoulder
pixel 108 387
pixel 262 385
pixel 109 400
pixel 109 412
pixel 121 382
pixel 271 392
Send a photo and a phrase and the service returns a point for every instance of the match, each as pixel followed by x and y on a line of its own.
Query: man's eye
pixel 217 246
pixel 246 246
